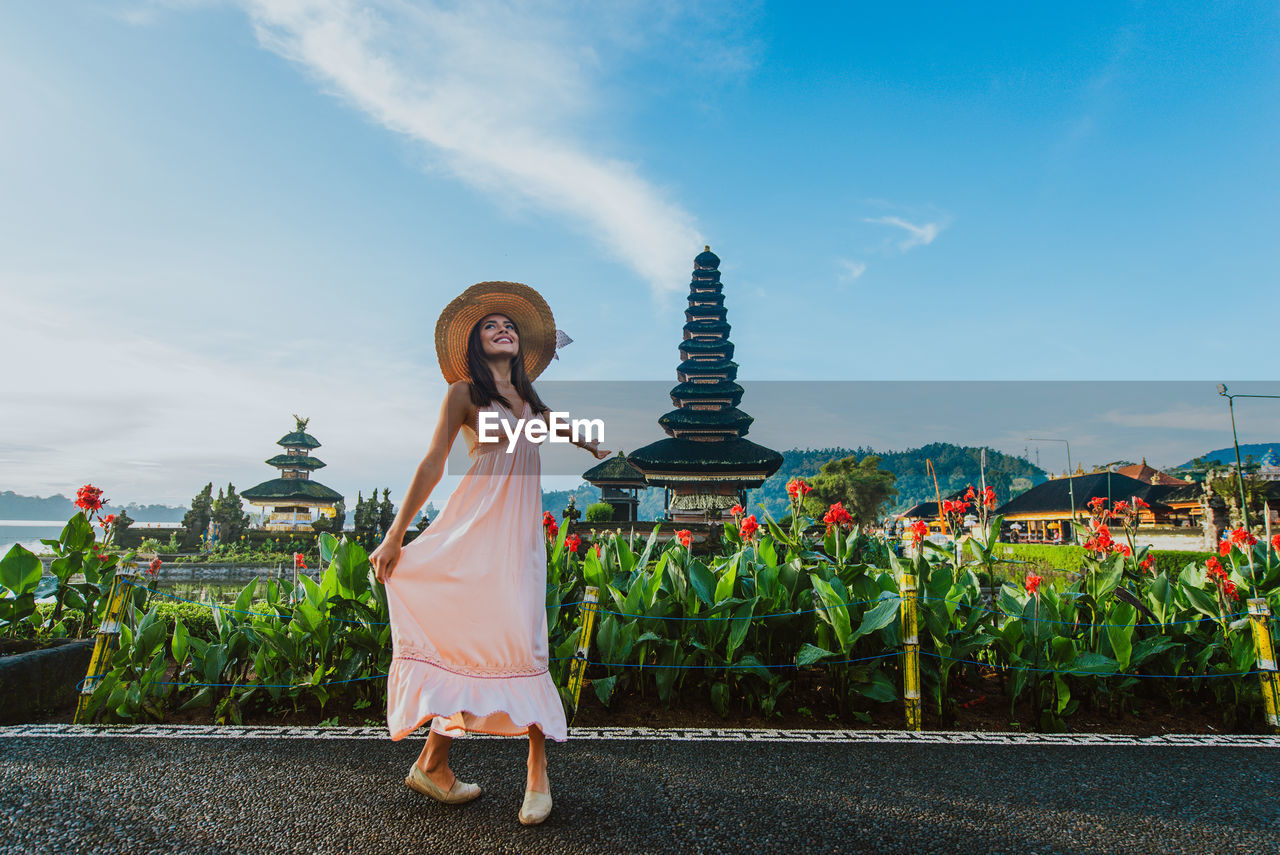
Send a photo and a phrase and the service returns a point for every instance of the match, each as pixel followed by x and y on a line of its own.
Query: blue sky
pixel 221 213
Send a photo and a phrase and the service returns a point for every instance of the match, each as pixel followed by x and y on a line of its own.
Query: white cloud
pixel 851 270
pixel 499 93
pixel 917 235
pixel 153 420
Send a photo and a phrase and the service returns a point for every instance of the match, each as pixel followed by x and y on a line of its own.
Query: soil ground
pixel 981 706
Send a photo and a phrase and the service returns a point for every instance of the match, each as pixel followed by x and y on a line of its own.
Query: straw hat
pixel 539 338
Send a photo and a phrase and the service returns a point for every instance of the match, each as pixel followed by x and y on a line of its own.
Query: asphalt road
pixel 197 794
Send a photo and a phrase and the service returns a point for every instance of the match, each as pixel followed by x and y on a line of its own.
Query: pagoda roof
pixel 298 439
pixel 695 391
pixel 295 461
pixel 717 312
pixel 616 470
pixel 696 367
pixel 690 345
pixel 713 298
pixel 711 458
pixel 730 418
pixel 286 489
pixel 707 327
pixel 706 260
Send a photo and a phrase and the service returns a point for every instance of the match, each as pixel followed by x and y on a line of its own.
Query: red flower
pixel 737 510
pixel 154 567
pixel 298 562
pixel 1275 542
pixel 1213 567
pixel 918 531
pixel 552 528
pixel 89 498
pixel 1097 502
pixel 1120 507
pixel 1241 537
pixel 1123 549
pixel 1224 548
pixel 1138 503
pixel 1229 589
pixel 573 542
pixel 797 487
pixel 1148 563
pixel 968 494
pixel 548 519
pixel 750 526
pixel 107 520
pixel 596 547
pixel 1033 583
pixel 837 516
pixel 989 498
pixel 685 537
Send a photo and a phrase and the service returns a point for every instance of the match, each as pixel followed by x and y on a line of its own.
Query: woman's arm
pixel 453 414
pixel 593 446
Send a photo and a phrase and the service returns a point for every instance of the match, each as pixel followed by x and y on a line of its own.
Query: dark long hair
pixel 484 390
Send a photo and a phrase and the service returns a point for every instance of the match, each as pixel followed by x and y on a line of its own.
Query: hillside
pixel 59 507
pixel 956 466
pixel 1227 456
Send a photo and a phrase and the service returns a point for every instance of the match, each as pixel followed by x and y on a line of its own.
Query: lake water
pixel 30 532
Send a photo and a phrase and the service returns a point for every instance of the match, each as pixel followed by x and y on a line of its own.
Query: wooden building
pixel 289 500
pixel 705 464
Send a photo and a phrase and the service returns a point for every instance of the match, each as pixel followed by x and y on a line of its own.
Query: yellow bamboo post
pixel 105 642
pixel 578 667
pixel 911 653
pixel 1260 618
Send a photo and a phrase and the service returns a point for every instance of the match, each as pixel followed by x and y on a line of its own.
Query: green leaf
pixel 1201 601
pixel 739 625
pixel 703 581
pixel 880 689
pixel 179 643
pixel 834 609
pixel 724 587
pixel 879 617
pixel 604 688
pixel 1089 662
pixel 809 654
pixel 20 570
pixel 77 535
pixel 1120 621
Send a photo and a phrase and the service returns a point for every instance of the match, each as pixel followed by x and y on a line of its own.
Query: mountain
pixel 59 507
pixel 956 466
pixel 1227 456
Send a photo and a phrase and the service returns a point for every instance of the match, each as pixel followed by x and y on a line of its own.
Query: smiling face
pixel 498 336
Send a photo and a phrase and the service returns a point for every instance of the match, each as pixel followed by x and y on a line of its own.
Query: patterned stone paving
pixel 686 734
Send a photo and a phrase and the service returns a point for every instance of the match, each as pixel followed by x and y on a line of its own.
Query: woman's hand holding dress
pixel 384 559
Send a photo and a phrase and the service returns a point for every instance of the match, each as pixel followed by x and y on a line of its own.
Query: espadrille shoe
pixel 536 807
pixel 456 794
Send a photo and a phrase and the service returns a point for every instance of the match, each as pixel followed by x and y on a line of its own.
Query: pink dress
pixel 468 605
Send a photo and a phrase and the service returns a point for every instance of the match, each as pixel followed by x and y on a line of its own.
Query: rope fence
pixel 1258 614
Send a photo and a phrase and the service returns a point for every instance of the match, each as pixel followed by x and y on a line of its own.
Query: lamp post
pixel 1071 477
pixel 1231 407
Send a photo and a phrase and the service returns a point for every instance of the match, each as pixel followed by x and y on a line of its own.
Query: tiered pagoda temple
pixel 619 482
pixel 288 501
pixel 705 464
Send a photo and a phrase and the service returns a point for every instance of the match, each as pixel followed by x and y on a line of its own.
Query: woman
pixel 467 597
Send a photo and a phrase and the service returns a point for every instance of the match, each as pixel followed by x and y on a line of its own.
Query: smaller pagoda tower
pixel 288 501
pixel 620 484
